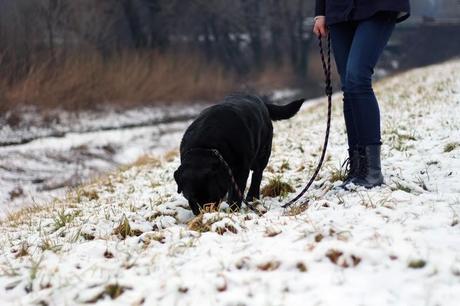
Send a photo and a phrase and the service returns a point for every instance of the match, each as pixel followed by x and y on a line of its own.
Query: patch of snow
pixel 33 126
pixel 284 94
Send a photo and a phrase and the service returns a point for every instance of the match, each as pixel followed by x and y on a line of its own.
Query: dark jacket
pixel 345 10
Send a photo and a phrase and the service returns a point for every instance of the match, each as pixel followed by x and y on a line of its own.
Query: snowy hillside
pixel 130 239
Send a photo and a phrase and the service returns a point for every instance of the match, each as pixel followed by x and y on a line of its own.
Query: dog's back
pixel 238 120
pixel 238 114
pixel 246 102
pixel 276 112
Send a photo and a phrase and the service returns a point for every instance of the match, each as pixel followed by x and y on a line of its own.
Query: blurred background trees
pixel 240 39
pixel 241 35
pixel 78 52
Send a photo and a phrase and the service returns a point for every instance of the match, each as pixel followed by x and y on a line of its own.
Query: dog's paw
pixel 258 207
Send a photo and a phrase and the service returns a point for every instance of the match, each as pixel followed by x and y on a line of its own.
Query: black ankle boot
pixel 352 166
pixel 370 171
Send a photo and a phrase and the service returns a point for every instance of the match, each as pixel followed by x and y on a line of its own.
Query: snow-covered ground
pixel 42 155
pixel 130 239
pixel 37 172
pixel 33 125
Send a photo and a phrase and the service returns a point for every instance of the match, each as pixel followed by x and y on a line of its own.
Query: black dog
pixel 240 130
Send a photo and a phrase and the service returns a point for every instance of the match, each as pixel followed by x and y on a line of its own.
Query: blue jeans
pixel 357 46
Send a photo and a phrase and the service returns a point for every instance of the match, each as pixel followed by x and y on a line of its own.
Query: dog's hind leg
pixel 254 190
pixel 258 169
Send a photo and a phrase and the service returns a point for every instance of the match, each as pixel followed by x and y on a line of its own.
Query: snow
pixel 45 154
pixel 42 169
pixel 58 122
pixel 284 94
pixel 398 244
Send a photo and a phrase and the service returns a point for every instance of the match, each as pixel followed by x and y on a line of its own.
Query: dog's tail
pixel 282 112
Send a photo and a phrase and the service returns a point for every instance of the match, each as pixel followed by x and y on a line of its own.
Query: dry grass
pixel 337 174
pixel 124 229
pixel 198 225
pixel 147 160
pixel 276 188
pixel 171 155
pixel 451 146
pixel 272 231
pixel 62 219
pixel 301 267
pixel 400 185
pixel 112 291
pixel 296 210
pixel 23 250
pixel 90 81
pixel 417 264
pixel 21 216
pixel 269 266
pixel 337 257
pixel 83 82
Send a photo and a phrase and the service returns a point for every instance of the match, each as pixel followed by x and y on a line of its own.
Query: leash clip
pixel 328 90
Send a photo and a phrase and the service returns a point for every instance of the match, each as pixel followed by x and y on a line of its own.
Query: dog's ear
pixel 178 178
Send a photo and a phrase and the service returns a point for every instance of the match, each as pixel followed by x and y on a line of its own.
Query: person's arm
pixel 320 28
pixel 320 8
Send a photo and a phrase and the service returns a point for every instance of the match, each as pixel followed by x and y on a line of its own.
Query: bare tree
pixel 51 13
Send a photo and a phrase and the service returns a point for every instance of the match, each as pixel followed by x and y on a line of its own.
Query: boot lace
pixel 346 168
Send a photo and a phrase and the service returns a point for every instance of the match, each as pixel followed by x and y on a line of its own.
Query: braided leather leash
pixel 235 185
pixel 328 81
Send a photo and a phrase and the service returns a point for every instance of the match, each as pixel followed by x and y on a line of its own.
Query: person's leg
pixel 342 38
pixel 371 37
pixel 342 35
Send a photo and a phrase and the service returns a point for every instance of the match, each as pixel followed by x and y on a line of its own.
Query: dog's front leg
pixel 235 198
pixel 195 208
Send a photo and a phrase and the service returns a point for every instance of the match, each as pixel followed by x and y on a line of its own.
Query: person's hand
pixel 320 28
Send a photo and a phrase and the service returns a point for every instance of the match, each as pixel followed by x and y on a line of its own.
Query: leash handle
pixel 326 65
pixel 328 90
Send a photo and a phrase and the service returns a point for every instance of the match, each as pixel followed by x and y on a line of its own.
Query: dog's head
pixel 202 179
